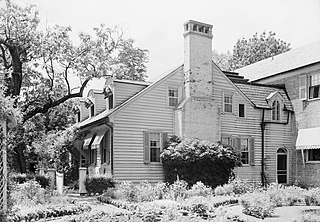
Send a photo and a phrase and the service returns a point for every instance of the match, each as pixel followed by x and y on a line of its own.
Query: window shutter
pixel 180 94
pixel 251 151
pixel 146 144
pixel 235 143
pixel 164 140
pixel 303 87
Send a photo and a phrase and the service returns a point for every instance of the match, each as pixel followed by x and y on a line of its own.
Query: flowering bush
pixel 177 190
pixel 312 196
pixel 257 204
pixel 199 189
pixel 197 160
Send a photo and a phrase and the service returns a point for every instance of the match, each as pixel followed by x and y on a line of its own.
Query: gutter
pixel 263 128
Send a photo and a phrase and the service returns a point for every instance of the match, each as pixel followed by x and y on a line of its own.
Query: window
pixel 227 103
pixel 313 155
pixel 244 151
pixel 110 101
pixel 314 85
pixel 92 110
pixel 93 156
pixel 153 145
pixel 244 145
pixel 173 97
pixel 78 117
pixel 105 151
pixel 241 110
pixel 276 110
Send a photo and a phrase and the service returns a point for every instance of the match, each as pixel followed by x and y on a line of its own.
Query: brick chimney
pixel 198 59
pixel 199 116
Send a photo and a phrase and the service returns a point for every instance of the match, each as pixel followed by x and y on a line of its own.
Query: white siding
pixel 124 91
pixel 149 112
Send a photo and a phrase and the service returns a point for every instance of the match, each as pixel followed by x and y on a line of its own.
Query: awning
pixel 98 139
pixel 308 139
pixel 87 141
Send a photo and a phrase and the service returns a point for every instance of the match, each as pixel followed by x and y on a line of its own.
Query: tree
pixel 37 65
pixel 222 60
pixel 256 48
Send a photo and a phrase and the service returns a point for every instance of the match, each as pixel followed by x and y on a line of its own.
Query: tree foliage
pixel 37 65
pixel 256 48
pixel 195 160
pixel 248 51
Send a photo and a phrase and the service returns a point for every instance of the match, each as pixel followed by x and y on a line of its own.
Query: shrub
pixel 128 191
pixel 285 196
pixel 43 181
pixel 219 191
pixel 177 190
pixel 310 216
pixel 29 193
pixel 197 160
pixel 257 204
pixel 238 187
pixel 312 196
pixel 98 184
pixel 199 189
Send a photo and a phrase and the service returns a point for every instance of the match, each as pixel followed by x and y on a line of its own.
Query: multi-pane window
pixel 313 155
pixel 244 151
pixel 173 97
pixel 154 140
pixel 226 141
pixel 276 110
pixel 228 103
pixel 314 85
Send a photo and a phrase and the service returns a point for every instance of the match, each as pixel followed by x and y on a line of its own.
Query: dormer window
pixel 78 117
pixel 276 110
pixel 110 101
pixel 314 82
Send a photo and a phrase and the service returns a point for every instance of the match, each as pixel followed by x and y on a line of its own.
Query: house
pixel 125 135
pixel 299 71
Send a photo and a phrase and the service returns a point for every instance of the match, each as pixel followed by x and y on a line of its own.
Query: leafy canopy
pixel 248 51
pixel 38 66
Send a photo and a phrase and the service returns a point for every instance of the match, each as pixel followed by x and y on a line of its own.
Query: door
pixel 282 166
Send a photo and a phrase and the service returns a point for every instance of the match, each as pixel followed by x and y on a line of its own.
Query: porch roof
pixel 308 139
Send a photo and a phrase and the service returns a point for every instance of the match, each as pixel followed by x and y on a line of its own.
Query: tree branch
pixel 52 104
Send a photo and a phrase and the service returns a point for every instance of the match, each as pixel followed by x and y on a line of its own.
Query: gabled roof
pixel 258 94
pixel 293 59
pixel 107 113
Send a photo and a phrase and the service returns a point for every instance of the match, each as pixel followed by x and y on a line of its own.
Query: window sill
pixel 313 161
pixel 314 99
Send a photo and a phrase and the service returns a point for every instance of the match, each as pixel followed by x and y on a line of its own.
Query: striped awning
pixel 308 139
pixel 97 140
pixel 87 141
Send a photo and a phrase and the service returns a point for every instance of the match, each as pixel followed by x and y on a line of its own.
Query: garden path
pixel 92 202
pixel 281 214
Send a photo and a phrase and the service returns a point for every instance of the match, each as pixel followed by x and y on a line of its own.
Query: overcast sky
pixel 157 25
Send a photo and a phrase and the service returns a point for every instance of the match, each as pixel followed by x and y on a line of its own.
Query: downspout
pixel 263 127
pixel 109 125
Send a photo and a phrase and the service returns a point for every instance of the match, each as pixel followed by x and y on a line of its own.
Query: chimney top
pixel 195 27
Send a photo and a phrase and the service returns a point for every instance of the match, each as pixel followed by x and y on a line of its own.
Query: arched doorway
pixel 282 165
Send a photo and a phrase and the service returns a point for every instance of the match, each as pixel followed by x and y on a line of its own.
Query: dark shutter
pixel 164 140
pixel 303 87
pixel 146 144
pixel 251 150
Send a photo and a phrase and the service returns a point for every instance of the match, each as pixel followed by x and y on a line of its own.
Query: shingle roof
pixel 258 93
pixel 290 60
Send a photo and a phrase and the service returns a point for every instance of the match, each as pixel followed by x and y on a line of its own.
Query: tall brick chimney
pixel 198 59
pixel 199 116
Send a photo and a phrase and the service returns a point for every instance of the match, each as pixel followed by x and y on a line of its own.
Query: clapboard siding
pixel 148 112
pixel 276 135
pixel 124 91
pixel 100 104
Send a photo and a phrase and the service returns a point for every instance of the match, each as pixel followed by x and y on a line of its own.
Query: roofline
pixel 284 72
pixel 279 86
pixel 144 90
pixel 132 82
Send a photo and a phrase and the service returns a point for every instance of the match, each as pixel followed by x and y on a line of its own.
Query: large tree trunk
pixel 19 159
pixel 14 85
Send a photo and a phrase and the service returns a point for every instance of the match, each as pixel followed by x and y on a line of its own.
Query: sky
pixel 157 25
